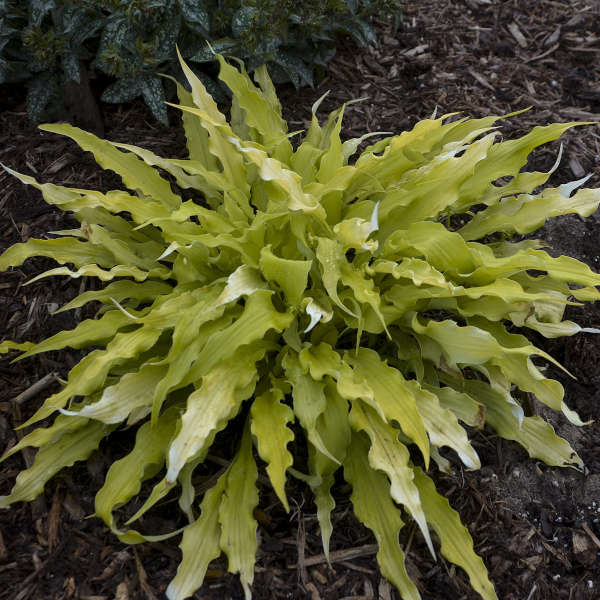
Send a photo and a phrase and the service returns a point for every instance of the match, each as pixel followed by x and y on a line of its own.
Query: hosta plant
pixel 363 310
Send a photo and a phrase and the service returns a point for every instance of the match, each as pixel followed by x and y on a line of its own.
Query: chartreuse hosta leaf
pixel 62 450
pixel 302 295
pixel 270 418
pixel 456 543
pixel 332 425
pixel 238 526
pixel 199 545
pixel 376 509
pixel 125 476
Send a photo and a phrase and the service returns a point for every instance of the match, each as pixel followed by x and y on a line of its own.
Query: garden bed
pixel 537 528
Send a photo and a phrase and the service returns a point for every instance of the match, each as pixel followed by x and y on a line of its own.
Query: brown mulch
pixel 537 528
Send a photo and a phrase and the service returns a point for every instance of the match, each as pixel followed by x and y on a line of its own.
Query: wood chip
pixel 558 554
pixel 314 592
pixel 576 20
pixel 543 54
pixel 583 49
pixel 581 542
pixel 533 562
pixel 319 576
pixel 532 592
pixel 573 112
pixel 384 590
pixel 59 164
pixel 143 578
pixel 530 534
pixel 553 37
pixel 28 163
pixel 576 168
pixel 119 559
pixel 337 584
pixel 122 592
pixel 591 534
pixel 516 33
pixel 69 587
pixel 358 568
pixel 482 80
pixel 530 88
pixel 416 50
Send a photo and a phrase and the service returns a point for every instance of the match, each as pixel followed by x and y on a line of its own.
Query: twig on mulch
pixel 591 534
pixel 301 544
pixel 36 388
pixel 338 556
pixel 532 592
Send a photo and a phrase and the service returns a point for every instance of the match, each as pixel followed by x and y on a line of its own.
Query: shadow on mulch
pixel 536 528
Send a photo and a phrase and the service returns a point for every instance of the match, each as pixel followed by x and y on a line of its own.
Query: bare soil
pixel 537 528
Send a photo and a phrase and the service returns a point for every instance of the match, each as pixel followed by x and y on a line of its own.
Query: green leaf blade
pixel 269 425
pixel 238 526
pixel 374 507
pixel 457 545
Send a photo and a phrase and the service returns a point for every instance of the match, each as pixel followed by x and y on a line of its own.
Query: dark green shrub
pixel 48 43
